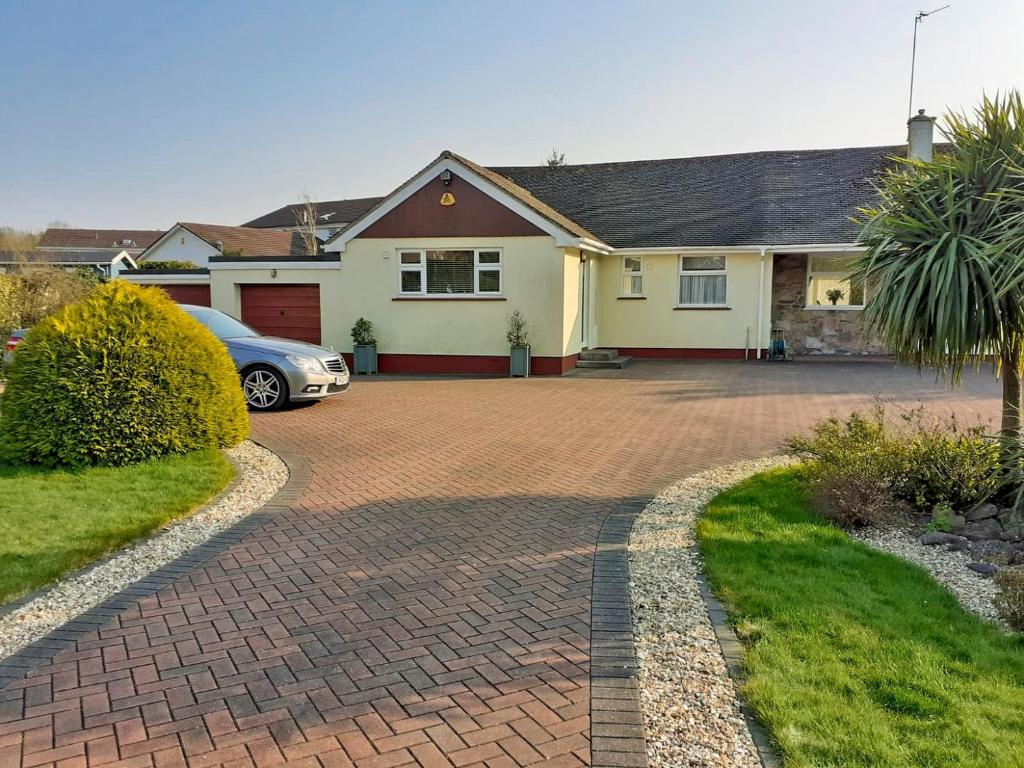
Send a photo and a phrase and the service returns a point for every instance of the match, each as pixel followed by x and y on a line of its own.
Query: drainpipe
pixel 760 302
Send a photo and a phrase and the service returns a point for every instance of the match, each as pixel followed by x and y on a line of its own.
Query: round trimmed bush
pixel 122 376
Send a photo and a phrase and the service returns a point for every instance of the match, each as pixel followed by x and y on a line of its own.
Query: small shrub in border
pixel 122 376
pixel 946 462
pixel 879 466
pixel 1010 600
pixel 853 497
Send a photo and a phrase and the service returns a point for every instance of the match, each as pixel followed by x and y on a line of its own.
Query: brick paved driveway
pixel 427 600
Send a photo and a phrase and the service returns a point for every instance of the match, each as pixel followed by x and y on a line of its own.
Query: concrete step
pixel 599 354
pixel 616 362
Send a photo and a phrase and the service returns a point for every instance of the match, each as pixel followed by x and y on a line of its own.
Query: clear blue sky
pixel 139 114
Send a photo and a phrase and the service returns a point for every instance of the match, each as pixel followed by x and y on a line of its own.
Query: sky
pixel 140 114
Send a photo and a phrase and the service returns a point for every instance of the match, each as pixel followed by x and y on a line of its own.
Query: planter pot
pixel 519 361
pixel 365 358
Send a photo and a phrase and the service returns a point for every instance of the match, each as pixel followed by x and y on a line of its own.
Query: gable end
pixel 474 214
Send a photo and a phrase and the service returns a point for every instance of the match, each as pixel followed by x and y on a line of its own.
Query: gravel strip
pixel 974 591
pixel 261 474
pixel 689 703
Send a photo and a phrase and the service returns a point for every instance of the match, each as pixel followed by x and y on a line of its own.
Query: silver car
pixel 275 371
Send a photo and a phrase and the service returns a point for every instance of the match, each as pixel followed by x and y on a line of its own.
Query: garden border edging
pixel 732 653
pixel 617 735
pixel 21 663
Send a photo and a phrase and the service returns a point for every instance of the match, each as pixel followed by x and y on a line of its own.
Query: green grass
pixel 54 521
pixel 857 658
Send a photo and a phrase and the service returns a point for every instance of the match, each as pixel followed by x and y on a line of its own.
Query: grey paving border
pixel 732 652
pixel 616 723
pixel 18 665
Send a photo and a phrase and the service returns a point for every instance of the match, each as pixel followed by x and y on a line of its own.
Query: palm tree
pixel 945 252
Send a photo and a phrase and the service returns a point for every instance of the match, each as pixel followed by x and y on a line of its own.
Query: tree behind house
pixel 305 223
pixel 555 159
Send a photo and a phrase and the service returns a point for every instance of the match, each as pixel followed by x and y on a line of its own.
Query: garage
pixel 291 311
pixel 189 294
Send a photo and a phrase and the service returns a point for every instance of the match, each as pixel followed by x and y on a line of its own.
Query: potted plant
pixel 364 347
pixel 519 345
pixel 834 295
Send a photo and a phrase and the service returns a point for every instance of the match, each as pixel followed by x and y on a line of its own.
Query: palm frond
pixel 945 244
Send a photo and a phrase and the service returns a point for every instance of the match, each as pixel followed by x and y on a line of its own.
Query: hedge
pixel 122 376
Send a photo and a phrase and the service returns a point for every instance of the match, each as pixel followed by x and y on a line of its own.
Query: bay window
pixel 464 272
pixel 702 281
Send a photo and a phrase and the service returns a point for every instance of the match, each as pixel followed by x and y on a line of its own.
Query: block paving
pixel 443 583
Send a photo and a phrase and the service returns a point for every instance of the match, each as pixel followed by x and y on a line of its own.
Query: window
pixel 488 272
pixel 410 274
pixel 829 285
pixel 632 276
pixel 449 273
pixel 702 281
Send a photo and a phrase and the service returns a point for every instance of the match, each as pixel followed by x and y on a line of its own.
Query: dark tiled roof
pixel 329 213
pixel 68 256
pixel 250 241
pixel 759 198
pixel 99 238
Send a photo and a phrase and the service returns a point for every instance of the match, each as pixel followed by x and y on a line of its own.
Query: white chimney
pixel 919 136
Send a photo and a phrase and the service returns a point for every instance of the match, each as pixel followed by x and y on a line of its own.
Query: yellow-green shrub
pixel 864 467
pixel 118 377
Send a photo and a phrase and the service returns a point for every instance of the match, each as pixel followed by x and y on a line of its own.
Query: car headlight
pixel 305 363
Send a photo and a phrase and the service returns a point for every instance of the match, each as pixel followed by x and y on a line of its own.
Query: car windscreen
pixel 222 326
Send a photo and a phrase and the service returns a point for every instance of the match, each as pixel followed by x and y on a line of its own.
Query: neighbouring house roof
pixel 84 256
pixel 248 240
pixel 329 213
pixel 757 198
pixel 99 238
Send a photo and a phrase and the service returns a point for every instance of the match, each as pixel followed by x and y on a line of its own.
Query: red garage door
pixel 291 311
pixel 189 294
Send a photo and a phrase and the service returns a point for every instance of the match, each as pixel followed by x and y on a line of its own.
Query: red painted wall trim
pixel 686 353
pixel 485 365
pixel 552 366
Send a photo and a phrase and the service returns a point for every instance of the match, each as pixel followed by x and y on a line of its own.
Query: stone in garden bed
pixel 940 537
pixel 993 551
pixel 985 569
pixel 980 530
pixel 982 512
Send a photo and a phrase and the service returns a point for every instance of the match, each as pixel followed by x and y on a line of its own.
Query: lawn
pixel 856 658
pixel 54 521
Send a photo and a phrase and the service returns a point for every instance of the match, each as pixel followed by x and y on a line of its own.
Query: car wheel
pixel 265 389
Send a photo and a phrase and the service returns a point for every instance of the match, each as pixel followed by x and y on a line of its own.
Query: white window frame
pixel 487 267
pixel 631 274
pixel 697 272
pixel 420 267
pixel 842 274
pixel 478 267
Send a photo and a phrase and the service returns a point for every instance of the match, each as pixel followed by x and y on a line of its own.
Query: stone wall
pixel 814 331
